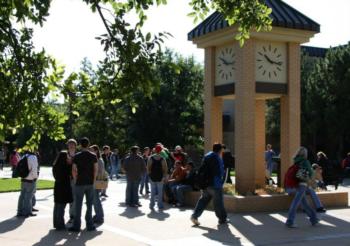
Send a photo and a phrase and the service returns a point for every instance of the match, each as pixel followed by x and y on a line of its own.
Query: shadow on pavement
pixel 46 198
pixel 132 213
pixel 66 238
pixel 11 224
pixel 161 215
pixel 273 232
pixel 222 234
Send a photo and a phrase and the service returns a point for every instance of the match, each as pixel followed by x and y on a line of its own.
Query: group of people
pixel 77 173
pixel 160 169
pixel 75 176
pixel 165 175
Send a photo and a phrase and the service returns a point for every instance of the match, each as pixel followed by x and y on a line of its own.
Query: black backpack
pixel 202 177
pixel 156 174
pixel 22 169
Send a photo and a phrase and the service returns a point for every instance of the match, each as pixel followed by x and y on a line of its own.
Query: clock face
pixel 225 65
pixel 271 62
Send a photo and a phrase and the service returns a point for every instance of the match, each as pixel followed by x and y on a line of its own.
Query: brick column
pixel 290 110
pixel 212 105
pixel 260 143
pixel 245 119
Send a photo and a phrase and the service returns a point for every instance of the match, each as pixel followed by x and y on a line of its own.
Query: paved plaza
pixel 132 226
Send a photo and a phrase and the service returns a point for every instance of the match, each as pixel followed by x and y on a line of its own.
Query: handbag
pixel 303 175
pixel 101 182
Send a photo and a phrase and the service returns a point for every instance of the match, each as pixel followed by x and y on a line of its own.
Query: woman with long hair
pixel 304 175
pixel 99 214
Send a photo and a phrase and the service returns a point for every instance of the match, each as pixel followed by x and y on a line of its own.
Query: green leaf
pixel 76 113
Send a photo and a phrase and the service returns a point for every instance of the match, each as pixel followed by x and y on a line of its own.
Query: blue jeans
pixel 25 198
pixel 206 196
pixel 156 190
pixel 99 215
pixel 309 191
pixel 79 193
pixel 300 199
pixel 144 183
pixel 131 196
pixel 58 215
pixel 114 170
pixel 180 193
pixel 269 166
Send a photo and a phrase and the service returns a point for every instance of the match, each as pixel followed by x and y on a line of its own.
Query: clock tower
pixel 266 67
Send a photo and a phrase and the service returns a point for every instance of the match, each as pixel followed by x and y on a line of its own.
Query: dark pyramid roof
pixel 314 51
pixel 282 15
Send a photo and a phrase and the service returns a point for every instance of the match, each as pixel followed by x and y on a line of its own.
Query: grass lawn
pixel 8 185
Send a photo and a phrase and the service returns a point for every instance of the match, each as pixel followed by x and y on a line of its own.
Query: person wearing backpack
pixel 212 170
pixel 28 171
pixel 157 171
pixel 297 181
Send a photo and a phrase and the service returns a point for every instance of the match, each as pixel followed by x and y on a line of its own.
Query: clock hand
pixel 223 61
pixel 271 61
pixel 278 63
pixel 268 59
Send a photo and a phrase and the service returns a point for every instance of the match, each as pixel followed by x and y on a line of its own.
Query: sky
pixel 70 30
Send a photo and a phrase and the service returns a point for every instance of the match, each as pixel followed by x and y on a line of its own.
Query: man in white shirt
pixel 28 187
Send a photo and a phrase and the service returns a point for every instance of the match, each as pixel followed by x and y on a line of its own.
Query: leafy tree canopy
pixel 29 77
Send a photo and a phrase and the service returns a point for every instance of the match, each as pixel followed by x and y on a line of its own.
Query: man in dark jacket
pixel 62 172
pixel 215 188
pixel 134 167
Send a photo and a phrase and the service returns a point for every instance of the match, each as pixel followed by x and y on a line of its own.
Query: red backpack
pixel 290 179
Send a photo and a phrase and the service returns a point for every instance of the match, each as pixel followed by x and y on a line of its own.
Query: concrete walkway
pixel 131 226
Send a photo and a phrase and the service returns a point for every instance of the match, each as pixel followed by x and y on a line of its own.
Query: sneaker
pixel 195 221
pixel 30 215
pixel 292 225
pixel 321 210
pixel 35 210
pixel 91 228
pixel 315 222
pixel 225 221
pixel 72 229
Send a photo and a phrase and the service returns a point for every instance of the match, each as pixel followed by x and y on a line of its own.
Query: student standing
pixel 84 173
pixel 134 167
pixel 28 184
pixel 62 172
pixel 145 179
pixel 99 214
pixel 158 173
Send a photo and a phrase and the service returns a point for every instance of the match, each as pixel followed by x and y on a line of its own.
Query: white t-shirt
pixel 33 167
